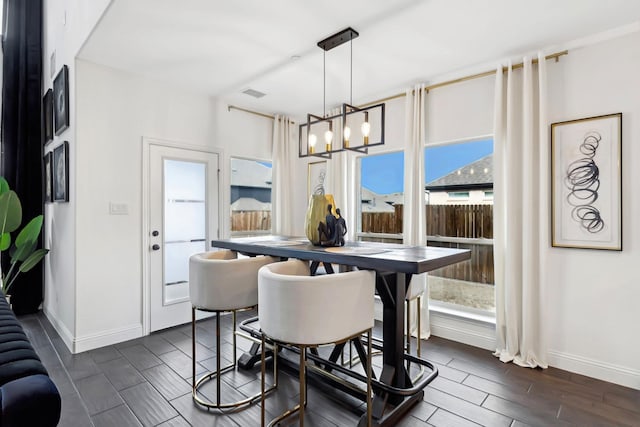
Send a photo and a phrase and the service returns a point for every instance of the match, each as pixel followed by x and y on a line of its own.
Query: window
pixel 381 196
pixel 250 196
pixel 458 194
pixel 459 214
pixel 459 184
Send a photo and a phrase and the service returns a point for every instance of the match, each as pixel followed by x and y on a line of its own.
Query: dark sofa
pixel 28 397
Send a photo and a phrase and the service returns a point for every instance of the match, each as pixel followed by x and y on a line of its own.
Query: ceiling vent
pixel 254 93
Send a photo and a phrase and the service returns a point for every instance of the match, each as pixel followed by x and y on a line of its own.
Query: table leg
pixel 391 289
pixel 248 359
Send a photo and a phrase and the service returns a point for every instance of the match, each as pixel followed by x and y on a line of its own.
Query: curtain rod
pixel 257 113
pixel 555 56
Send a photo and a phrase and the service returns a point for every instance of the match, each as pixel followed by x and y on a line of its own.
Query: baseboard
pixel 594 368
pixel 101 339
pixel 61 329
pixel 467 331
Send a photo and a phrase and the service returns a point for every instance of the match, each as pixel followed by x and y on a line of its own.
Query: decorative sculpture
pixel 331 230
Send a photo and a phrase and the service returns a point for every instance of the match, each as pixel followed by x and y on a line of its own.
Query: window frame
pixel 359 234
pixel 247 233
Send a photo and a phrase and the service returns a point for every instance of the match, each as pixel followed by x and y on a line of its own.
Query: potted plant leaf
pixel 23 252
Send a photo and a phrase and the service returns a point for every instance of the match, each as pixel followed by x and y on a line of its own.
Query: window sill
pixel 456 311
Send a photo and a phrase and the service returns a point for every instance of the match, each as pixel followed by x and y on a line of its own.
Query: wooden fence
pixel 461 221
pixel 471 221
pixel 250 220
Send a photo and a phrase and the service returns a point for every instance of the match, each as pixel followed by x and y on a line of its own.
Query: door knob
pixel 155 233
pixel 155 247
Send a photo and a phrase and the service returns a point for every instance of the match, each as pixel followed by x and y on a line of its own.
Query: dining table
pixel 394 265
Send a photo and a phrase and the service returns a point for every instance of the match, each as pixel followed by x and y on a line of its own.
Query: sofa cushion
pixel 28 397
pixel 17 357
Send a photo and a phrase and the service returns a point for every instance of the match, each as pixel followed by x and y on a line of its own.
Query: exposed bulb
pixel 328 136
pixel 312 142
pixel 366 128
pixel 347 134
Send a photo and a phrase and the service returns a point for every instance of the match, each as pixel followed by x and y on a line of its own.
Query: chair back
pixel 220 281
pixel 309 310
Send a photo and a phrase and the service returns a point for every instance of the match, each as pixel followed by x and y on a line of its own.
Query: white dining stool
pixel 307 311
pixel 220 282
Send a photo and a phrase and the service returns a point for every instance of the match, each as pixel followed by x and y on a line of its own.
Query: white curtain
pixel 520 211
pixel 283 163
pixel 340 180
pixel 414 221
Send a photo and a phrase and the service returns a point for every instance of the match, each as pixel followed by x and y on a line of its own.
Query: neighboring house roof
pixel 248 204
pixel 478 174
pixel 250 173
pixel 374 202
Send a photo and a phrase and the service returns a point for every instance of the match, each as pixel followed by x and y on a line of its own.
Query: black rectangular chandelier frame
pixel 303 147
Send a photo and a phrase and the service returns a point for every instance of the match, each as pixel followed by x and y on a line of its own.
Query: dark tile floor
pixel 146 381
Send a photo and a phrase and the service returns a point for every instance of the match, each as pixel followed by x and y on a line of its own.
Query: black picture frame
pixel 47 116
pixel 61 100
pixel 48 177
pixel 60 170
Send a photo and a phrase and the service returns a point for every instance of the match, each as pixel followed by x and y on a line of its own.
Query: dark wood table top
pixel 389 257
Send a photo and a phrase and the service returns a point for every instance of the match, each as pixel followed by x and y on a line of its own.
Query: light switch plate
pixel 118 208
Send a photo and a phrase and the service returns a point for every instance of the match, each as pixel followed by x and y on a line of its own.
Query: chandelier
pixel 361 127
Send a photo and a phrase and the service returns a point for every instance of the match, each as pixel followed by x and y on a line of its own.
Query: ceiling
pixel 222 48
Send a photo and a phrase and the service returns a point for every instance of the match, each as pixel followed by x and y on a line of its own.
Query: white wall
pixel 592 296
pixel 114 111
pixel 67 24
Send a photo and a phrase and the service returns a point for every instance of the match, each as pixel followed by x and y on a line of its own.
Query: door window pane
pixel 184 224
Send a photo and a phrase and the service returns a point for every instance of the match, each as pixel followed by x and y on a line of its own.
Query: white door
pixel 183 219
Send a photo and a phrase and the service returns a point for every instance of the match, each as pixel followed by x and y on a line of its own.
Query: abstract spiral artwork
pixel 586 157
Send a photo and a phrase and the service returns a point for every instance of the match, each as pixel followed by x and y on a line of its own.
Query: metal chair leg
pixel 369 375
pixel 407 306
pixel 262 375
pixel 193 348
pixel 303 379
pixel 419 316
pixel 218 357
pixel 198 382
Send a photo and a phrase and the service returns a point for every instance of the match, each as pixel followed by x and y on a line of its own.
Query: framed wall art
pixel 48 182
pixel 586 183
pixel 60 169
pixel 61 100
pixel 316 175
pixel 47 119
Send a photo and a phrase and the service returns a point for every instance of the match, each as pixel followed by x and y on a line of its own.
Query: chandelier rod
pixel 351 73
pixel 324 84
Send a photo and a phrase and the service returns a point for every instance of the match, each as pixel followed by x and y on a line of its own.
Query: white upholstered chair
pixel 307 311
pixel 221 282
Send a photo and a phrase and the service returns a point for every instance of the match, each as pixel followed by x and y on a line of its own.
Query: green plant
pixel 24 255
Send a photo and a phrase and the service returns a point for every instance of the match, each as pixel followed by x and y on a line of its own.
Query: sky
pixel 383 174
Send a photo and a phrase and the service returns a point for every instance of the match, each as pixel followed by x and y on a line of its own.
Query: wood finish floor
pixel 146 381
